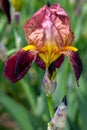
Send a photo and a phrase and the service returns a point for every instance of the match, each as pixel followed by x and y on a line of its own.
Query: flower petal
pixel 34 22
pixel 63 34
pixel 76 63
pixel 5 5
pixel 40 62
pixel 33 28
pixel 59 61
pixel 18 64
pixel 50 23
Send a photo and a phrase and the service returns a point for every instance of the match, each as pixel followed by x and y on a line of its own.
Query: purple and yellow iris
pixel 49 37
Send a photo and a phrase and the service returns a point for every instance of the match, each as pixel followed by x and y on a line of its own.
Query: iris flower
pixel 49 37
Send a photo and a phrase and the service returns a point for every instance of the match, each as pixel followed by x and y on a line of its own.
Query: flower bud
pixel 17 4
pixel 48 85
pixel 49 82
pixel 60 116
pixel 17 16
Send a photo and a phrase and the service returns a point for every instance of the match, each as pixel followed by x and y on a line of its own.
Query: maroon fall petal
pixel 5 5
pixel 40 62
pixel 18 64
pixel 76 63
pixel 59 61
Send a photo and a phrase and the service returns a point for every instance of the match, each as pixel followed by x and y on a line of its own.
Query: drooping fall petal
pixel 40 62
pixel 59 61
pixel 76 63
pixel 18 64
pixel 5 6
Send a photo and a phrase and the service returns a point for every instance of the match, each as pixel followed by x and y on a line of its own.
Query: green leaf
pixel 11 51
pixel 29 94
pixel 17 112
pixel 82 100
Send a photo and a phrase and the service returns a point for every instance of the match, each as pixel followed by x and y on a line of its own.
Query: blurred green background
pixel 23 105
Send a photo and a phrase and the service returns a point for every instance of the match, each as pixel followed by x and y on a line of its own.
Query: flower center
pixel 49 53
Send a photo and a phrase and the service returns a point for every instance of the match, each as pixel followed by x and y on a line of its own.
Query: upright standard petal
pixel 18 64
pixel 49 31
pixel 33 28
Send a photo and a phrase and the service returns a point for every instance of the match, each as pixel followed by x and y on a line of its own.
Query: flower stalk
pixel 50 105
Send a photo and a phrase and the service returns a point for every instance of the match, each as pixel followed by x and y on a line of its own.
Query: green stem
pixel 50 105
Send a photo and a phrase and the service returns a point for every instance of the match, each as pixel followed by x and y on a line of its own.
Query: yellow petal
pixel 70 48
pixel 29 47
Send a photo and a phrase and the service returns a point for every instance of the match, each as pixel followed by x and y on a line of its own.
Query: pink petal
pixel 35 21
pixel 56 8
pixel 33 29
pixel 50 23
pixel 18 64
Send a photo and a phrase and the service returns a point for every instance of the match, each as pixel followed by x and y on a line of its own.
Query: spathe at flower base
pixel 49 81
pixel 59 119
pixel 49 37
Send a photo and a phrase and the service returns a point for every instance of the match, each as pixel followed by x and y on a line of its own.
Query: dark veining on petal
pixel 23 63
pixel 76 63
pixel 18 64
pixel 17 67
